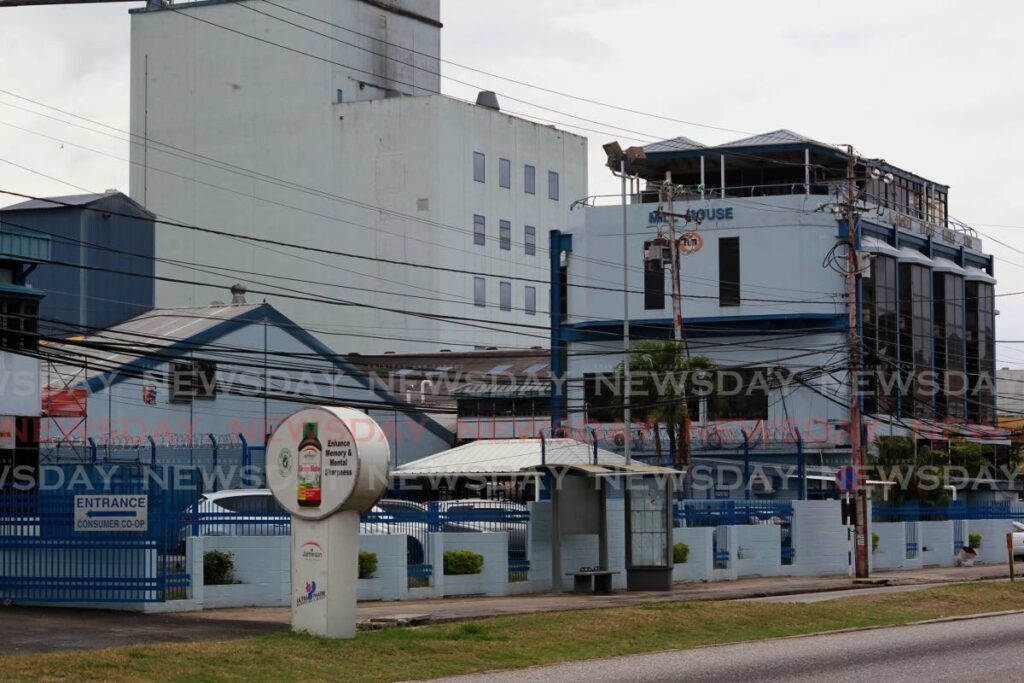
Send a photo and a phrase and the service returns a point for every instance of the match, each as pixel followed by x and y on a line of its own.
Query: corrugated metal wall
pixel 121 246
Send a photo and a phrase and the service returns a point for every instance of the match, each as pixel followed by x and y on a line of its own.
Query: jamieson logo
pixel 311 595
pixel 311 550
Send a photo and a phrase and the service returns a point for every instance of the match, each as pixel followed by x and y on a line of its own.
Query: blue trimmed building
pixel 763 289
pixel 183 378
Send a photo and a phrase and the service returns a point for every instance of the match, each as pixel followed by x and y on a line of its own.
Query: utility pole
pixel 856 447
pixel 677 316
pixel 626 416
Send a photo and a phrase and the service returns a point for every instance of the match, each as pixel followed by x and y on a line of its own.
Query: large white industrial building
pixel 320 124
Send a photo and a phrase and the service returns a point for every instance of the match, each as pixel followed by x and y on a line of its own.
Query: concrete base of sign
pixel 325 574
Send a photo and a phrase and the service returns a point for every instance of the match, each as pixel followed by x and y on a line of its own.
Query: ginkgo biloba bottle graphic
pixel 311 462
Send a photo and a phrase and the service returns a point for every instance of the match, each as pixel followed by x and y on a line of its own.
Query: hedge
pixel 462 562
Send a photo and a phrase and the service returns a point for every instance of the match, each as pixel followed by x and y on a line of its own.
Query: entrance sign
pixel 112 513
pixel 326 466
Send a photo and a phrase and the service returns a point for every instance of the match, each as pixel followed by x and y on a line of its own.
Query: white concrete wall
pixel 699 566
pixel 262 571
pixel 493 578
pixel 819 539
pixel 993 538
pixel 935 541
pixel 892 546
pixel 390 581
pixel 759 550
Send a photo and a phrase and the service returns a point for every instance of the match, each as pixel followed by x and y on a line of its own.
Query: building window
pixel 479 292
pixel 729 271
pixel 654 284
pixel 204 382
pixel 341 96
pixel 19 324
pixel 531 300
pixel 505 235
pixel 506 296
pixel 193 380
pixel 530 240
pixel 479 230
pixel 529 179
pixel 479 167
pixel 879 336
pixel 504 173
pixel 745 395
pixel 552 185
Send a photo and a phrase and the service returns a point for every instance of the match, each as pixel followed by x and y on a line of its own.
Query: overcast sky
pixel 930 86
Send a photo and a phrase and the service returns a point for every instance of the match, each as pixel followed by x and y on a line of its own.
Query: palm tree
pixel 664 377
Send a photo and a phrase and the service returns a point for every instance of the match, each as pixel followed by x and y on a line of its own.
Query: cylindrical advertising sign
pixel 322 460
pixel 326 466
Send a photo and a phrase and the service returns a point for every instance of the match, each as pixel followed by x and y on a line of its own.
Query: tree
pixel 664 378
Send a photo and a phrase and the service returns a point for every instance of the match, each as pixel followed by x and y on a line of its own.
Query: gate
pixel 910 533
pixel 52 552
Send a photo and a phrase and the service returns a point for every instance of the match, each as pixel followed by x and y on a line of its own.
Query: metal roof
pixel 141 336
pixel 509 456
pixel 677 144
pixel 782 136
pixel 59 202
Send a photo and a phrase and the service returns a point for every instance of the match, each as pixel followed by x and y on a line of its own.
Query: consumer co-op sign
pixel 112 513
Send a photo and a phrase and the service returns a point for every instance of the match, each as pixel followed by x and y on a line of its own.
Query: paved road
pixel 986 649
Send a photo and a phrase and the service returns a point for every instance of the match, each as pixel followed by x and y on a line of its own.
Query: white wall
pixel 262 571
pixel 993 538
pixel 935 540
pixel 699 565
pixel 391 580
pixel 759 550
pixel 892 546
pixel 493 577
pixel 819 539
pixel 19 385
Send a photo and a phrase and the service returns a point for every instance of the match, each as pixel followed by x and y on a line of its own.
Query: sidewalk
pixel 457 609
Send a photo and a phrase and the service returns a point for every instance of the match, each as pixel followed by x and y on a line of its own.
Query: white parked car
pixel 1018 539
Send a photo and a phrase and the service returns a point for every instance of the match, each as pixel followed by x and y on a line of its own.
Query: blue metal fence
pixel 45 558
pixel 921 512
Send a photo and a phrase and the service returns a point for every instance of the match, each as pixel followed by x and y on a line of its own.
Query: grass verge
pixel 505 642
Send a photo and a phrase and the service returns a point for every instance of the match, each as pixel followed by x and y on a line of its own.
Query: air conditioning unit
pixel 949 235
pixel 970 242
pixel 761 485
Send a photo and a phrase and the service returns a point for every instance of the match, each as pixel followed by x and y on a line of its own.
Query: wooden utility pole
pixel 852 305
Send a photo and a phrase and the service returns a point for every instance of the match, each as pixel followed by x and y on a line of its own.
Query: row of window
pixel 505 176
pixel 504 296
pixel 938 323
pixel 504 235
pixel 193 380
pixel 745 399
pixel 728 277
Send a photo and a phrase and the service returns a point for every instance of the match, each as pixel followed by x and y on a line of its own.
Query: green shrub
pixel 218 568
pixel 367 565
pixel 680 553
pixel 875 540
pixel 458 562
pixel 974 541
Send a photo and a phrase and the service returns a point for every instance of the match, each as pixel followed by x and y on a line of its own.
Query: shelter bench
pixel 591 580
